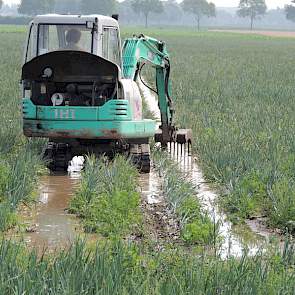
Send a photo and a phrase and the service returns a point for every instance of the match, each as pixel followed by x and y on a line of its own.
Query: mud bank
pixel 160 223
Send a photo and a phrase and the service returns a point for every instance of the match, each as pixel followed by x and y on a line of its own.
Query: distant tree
pixel 105 7
pixel 33 7
pixel 146 7
pixel 1 3
pixel 252 9
pixel 27 7
pixel 199 8
pixel 290 12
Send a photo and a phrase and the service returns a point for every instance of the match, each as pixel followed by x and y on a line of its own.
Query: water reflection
pixel 54 226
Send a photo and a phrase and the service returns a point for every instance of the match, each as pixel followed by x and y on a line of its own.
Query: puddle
pixel 52 226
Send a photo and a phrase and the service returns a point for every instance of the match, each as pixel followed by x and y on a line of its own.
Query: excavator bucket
pixel 180 137
pixel 184 136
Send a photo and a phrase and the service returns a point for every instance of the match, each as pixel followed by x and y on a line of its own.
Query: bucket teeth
pixel 178 141
pixel 181 136
pixel 184 136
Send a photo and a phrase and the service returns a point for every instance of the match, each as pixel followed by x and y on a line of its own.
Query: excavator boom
pixel 141 50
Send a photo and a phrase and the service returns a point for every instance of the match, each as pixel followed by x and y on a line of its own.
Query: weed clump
pixel 107 199
pixel 196 226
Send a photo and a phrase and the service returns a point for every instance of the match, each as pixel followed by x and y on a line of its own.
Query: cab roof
pixel 74 19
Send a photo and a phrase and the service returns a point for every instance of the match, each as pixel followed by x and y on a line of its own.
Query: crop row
pixel 107 199
pixel 19 160
pixel 119 269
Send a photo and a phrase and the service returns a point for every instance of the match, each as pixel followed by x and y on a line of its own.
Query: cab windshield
pixel 64 37
pixel 45 38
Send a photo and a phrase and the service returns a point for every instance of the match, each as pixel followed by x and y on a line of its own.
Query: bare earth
pixel 283 34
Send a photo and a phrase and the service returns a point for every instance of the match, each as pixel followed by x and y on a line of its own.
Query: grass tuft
pixel 107 199
pixel 196 226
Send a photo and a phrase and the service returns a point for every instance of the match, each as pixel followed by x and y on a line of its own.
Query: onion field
pixel 237 94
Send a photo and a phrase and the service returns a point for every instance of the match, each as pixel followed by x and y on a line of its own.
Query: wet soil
pixel 161 225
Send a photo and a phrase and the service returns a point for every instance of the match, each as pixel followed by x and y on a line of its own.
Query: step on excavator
pixel 79 90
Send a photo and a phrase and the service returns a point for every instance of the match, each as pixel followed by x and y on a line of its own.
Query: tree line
pixel 199 8
pixel 251 9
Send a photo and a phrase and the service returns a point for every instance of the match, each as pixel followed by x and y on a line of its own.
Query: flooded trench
pixel 252 237
pixel 52 226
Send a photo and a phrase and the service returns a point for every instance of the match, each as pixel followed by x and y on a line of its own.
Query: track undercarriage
pixel 58 154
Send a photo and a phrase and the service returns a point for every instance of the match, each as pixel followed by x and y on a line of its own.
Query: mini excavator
pixel 80 91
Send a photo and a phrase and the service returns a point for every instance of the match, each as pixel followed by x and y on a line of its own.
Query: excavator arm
pixel 141 50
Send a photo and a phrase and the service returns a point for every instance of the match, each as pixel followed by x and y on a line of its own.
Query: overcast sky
pixel 228 3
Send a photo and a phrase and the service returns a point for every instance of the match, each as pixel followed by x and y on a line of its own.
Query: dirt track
pixel 283 34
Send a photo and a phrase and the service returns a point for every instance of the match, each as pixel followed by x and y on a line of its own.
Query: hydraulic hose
pixel 142 81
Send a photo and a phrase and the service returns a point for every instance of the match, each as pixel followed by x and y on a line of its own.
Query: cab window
pixel 111 45
pixel 64 37
pixel 31 51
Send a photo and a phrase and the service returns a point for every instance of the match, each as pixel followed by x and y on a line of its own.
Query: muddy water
pixel 235 240
pixel 53 227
